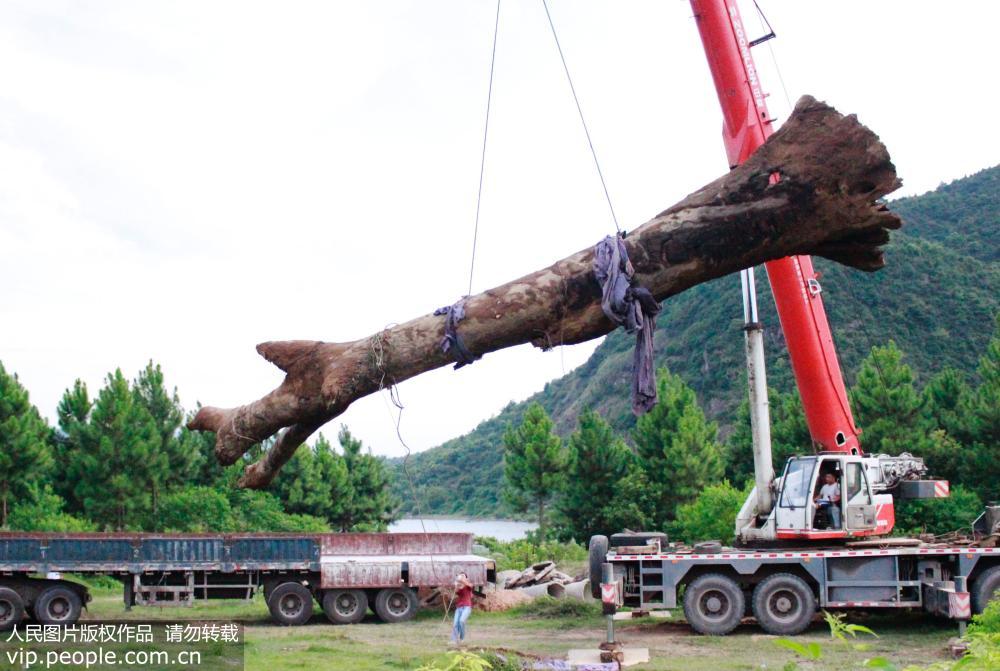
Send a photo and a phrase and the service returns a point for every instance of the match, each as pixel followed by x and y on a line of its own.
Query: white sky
pixel 182 180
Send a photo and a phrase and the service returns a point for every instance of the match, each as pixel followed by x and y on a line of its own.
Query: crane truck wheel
pixel 58 605
pixel 291 603
pixel 784 604
pixel 598 555
pixel 11 608
pixel 345 606
pixel 714 604
pixel 396 604
pixel 986 587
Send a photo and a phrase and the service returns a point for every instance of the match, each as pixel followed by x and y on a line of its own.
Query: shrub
pixel 261 511
pixel 522 553
pixel 711 516
pixel 987 622
pixel 45 513
pixel 195 509
pixel 939 516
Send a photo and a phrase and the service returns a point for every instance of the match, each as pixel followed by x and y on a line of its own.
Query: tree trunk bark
pixel 541 520
pixel 832 171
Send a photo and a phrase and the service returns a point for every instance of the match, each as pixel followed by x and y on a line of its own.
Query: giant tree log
pixel 832 170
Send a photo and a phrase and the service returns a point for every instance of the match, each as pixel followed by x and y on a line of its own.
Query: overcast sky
pixel 182 180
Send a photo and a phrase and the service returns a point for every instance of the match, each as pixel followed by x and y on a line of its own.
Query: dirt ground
pixel 904 639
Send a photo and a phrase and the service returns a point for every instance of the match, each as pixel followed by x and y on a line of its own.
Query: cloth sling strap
pixel 633 307
pixel 452 342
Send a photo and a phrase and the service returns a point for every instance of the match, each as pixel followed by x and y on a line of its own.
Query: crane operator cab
pixel 830 496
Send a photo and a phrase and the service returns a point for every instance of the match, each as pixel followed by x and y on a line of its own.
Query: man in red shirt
pixel 463 607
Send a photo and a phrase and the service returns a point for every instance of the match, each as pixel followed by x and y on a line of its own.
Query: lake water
pixel 504 530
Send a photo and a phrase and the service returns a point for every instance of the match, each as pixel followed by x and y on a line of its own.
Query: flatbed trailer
pixel 783 588
pixel 345 572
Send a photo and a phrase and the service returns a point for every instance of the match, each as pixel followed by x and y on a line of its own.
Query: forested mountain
pixel 936 298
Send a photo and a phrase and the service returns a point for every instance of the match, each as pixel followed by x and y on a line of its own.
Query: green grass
pixel 546 628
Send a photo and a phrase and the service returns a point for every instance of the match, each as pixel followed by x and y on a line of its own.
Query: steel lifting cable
pixel 583 121
pixel 378 355
pixel 377 348
pixel 482 158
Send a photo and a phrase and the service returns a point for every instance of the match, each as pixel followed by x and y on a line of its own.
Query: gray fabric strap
pixel 633 307
pixel 451 341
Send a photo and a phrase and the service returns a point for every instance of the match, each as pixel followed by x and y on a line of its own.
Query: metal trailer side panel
pixel 273 553
pixel 20 550
pixel 342 571
pixel 65 551
pixel 396 543
pixel 187 550
pixel 356 574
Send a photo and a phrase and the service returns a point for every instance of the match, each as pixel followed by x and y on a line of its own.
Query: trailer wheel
pixel 396 604
pixel 784 604
pixel 57 605
pixel 985 588
pixel 598 556
pixel 291 603
pixel 11 608
pixel 714 604
pixel 345 606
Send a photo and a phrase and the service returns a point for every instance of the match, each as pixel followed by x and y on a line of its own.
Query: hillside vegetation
pixel 937 299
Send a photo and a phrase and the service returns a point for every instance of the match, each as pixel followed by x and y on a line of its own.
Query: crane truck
pixel 794 555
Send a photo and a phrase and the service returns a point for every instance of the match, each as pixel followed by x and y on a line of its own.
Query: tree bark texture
pixel 831 171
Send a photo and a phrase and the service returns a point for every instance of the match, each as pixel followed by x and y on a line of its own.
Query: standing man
pixel 829 496
pixel 463 607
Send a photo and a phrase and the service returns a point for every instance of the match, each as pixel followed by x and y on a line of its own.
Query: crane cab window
pixel 796 483
pixel 857 486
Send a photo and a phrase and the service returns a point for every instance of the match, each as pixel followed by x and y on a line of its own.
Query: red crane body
pixel 794 283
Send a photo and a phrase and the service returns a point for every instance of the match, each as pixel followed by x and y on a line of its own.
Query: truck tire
pixel 57 605
pixel 714 604
pixel 784 604
pixel 291 604
pixel 626 538
pixel 598 556
pixel 396 604
pixel 11 609
pixel 985 588
pixel 345 606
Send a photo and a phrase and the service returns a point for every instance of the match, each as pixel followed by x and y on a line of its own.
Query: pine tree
pixel 984 464
pixel 534 460
pixel 116 460
pixel 789 436
pixel 890 412
pixel 170 465
pixel 74 416
pixel 597 462
pixel 986 401
pixel 25 453
pixel 947 400
pixel 677 447
pixel 205 468
pixel 372 506
pixel 334 486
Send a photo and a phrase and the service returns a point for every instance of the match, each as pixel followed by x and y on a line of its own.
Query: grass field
pixel 904 639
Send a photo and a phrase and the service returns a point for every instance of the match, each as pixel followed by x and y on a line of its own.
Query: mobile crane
pixel 792 555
